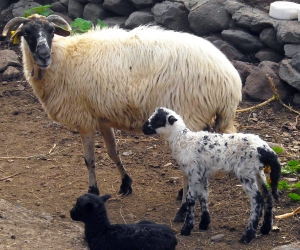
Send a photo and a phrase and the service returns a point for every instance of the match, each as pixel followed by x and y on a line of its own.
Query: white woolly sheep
pixel 201 154
pixel 101 235
pixel 112 78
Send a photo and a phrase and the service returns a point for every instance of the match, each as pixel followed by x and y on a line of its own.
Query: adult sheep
pixel 112 78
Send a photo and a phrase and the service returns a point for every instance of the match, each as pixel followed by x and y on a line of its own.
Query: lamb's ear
pixel 172 119
pixel 105 197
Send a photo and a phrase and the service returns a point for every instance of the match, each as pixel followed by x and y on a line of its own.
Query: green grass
pixel 294 196
pixel 278 150
pixel 80 25
pixel 292 166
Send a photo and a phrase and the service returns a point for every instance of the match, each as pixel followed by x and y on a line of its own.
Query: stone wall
pixel 255 43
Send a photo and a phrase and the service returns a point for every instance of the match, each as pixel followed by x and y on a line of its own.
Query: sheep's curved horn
pixel 12 23
pixel 58 19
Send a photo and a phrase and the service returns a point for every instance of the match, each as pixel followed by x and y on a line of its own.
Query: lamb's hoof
pixel 179 195
pixel 203 226
pixel 186 230
pixel 246 238
pixel 179 217
pixel 125 188
pixel 205 220
pixel 93 190
pixel 265 229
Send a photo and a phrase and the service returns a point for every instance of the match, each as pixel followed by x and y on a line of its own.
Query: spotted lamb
pixel 200 154
pixel 100 234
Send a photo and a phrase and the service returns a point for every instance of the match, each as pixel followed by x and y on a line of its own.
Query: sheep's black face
pixel 38 35
pixel 86 205
pixel 160 118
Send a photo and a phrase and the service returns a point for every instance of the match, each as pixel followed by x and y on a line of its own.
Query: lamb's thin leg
pixel 257 202
pixel 203 198
pixel 268 205
pixel 192 193
pixel 111 146
pixel 180 215
pixel 88 141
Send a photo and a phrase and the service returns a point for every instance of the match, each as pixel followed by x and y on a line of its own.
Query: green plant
pixel 41 10
pixel 294 196
pixel 297 185
pixel 292 166
pixel 80 25
pixel 277 150
pixel 283 185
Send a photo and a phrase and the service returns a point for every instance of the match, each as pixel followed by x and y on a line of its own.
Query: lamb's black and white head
pixel 88 205
pixel 162 121
pixel 38 31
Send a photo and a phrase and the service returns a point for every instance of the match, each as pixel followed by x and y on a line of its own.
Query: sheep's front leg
pixel 88 141
pixel 180 215
pixel 111 146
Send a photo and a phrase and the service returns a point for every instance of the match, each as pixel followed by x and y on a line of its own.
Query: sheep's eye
pixel 159 122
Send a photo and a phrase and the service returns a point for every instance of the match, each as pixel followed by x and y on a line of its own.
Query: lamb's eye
pixel 159 122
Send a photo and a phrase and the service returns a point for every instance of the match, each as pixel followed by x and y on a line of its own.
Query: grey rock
pixel 250 18
pixel 217 237
pixel 290 50
pixel 93 12
pixel 257 86
pixel 121 7
pixel 288 32
pixel 142 4
pixel 293 246
pixel 231 52
pixel 58 7
pixel 295 62
pixel 64 3
pixel 173 15
pixel 115 21
pixel 268 55
pixel 95 1
pixel 296 101
pixel 202 23
pixel 269 38
pixel 23 5
pixel 289 74
pixel 75 9
pixel 232 6
pixel 242 40
pixel 4 4
pixel 138 18
pixel 82 1
pixel 244 69
pixel 10 73
pixel 8 58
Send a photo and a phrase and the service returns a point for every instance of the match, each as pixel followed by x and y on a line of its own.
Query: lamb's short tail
pixel 269 157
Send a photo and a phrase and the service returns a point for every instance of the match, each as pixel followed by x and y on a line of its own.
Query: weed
pixel 41 10
pixel 80 25
pixel 294 196
pixel 297 185
pixel 277 150
pixel 292 166
pixel 283 185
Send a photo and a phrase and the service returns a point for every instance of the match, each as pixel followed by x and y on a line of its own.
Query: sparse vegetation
pixel 41 10
pixel 292 166
pixel 80 25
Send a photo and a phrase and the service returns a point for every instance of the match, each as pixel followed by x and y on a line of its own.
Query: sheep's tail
pixel 269 158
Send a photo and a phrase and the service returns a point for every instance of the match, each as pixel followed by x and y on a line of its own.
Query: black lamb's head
pixel 87 205
pixel 161 118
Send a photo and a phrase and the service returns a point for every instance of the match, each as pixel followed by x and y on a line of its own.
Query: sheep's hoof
pixel 93 190
pixel 179 195
pixel 205 220
pixel 186 230
pixel 203 226
pixel 265 229
pixel 125 187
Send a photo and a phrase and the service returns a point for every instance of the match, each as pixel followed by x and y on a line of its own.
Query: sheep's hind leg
pixel 88 141
pixel 203 197
pixel 111 146
pixel 257 202
pixel 180 215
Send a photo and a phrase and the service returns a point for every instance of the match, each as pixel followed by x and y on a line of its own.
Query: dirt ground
pixel 42 169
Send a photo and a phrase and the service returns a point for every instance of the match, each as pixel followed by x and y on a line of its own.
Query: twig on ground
pixel 283 216
pixel 7 177
pixel 275 97
pixel 122 216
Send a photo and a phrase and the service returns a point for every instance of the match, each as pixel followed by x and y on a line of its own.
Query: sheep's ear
pixel 61 31
pixel 172 119
pixel 105 197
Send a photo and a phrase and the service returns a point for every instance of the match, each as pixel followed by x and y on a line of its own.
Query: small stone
pixel 217 237
pixel 13 237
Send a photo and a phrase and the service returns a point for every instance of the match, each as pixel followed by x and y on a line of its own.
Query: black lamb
pixel 100 234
